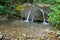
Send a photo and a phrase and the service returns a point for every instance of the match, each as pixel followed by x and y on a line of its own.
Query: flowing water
pixel 44 22
pixel 32 19
pixel 29 13
pixel 20 29
pixel 27 20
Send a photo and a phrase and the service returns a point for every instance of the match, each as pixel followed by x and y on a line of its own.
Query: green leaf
pixel 57 0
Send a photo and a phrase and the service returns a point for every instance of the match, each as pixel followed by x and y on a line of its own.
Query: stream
pixel 25 31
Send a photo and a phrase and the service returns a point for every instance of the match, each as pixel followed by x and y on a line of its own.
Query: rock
pixel 1 36
pixel 22 38
pixel 0 32
pixel 29 37
pixel 14 39
pixel 7 35
pixel 47 30
pixel 58 34
pixel 44 36
pixel 58 37
pixel 23 34
pixel 50 32
pixel 35 11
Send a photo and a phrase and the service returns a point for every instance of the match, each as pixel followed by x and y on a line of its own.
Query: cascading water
pixel 27 20
pixel 32 18
pixel 44 22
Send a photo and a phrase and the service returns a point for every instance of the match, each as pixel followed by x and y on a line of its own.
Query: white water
pixel 44 22
pixel 27 20
pixel 32 18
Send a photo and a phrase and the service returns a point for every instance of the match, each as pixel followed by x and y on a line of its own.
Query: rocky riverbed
pixel 19 30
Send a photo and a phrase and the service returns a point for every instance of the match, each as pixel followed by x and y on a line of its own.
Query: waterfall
pixel 44 20
pixel 32 18
pixel 27 20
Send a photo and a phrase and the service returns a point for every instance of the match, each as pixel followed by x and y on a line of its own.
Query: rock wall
pixel 35 11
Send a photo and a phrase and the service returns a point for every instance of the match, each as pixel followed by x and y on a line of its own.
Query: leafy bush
pixel 5 11
pixel 54 15
pixel 44 1
pixel 7 7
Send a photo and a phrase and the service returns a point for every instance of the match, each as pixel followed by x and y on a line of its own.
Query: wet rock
pixel 0 32
pixel 44 35
pixel 22 38
pixel 14 39
pixel 47 30
pixel 29 37
pixel 1 36
pixel 23 34
pixel 35 11
pixel 50 32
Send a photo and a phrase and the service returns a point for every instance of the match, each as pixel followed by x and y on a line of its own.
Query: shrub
pixel 54 15
pixel 5 11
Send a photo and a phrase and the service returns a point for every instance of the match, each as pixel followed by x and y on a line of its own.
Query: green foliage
pixel 18 9
pixel 36 1
pixel 44 1
pixel 57 0
pixel 58 35
pixel 54 15
pixel 7 7
pixel 8 1
pixel 4 11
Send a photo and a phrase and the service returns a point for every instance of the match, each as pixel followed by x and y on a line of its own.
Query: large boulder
pixel 35 11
